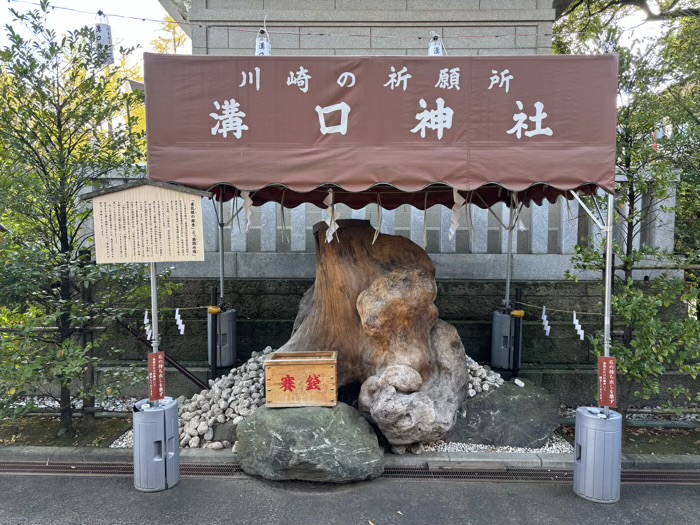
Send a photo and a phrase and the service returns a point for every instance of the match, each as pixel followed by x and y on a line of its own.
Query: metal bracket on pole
pixel 588 211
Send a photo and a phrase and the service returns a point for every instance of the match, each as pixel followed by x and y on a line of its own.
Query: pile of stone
pixel 481 378
pixel 208 419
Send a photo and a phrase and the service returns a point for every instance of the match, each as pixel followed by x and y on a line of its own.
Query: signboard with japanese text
pixel 156 376
pixel 607 382
pixel 282 126
pixel 148 224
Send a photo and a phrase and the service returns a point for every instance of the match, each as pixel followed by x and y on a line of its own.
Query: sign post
pixel 598 441
pixel 151 222
pixel 156 362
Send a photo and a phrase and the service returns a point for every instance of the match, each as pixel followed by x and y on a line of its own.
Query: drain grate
pixel 113 469
pixel 505 475
pixel 534 475
pixel 194 470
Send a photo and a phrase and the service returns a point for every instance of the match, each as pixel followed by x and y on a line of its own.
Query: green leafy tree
pixel 654 333
pixel 682 97
pixel 63 129
pixel 653 11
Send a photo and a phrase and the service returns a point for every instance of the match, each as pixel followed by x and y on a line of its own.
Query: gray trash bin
pixel 227 353
pixel 598 455
pixel 156 445
pixel 502 336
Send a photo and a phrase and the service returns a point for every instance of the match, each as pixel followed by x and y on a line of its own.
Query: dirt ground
pixel 654 440
pixel 43 431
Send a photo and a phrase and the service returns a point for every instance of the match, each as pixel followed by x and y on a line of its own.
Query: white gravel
pixel 555 445
pixel 126 440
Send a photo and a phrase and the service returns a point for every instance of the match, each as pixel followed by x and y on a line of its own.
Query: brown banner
pixel 156 376
pixel 407 122
pixel 607 382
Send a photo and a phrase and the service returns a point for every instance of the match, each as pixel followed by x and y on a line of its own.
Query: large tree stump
pixel 374 305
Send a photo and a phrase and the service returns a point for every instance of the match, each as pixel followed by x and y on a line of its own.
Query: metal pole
pixel 608 280
pixel 221 249
pixel 511 225
pixel 154 311
pixel 517 333
pixel 214 339
pixel 608 275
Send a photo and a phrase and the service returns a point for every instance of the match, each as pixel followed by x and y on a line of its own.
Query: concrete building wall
pixel 378 27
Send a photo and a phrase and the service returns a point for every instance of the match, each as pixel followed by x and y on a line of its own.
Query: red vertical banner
pixel 607 382
pixel 156 376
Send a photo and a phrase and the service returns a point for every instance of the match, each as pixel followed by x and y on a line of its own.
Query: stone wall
pixel 266 308
pixel 362 27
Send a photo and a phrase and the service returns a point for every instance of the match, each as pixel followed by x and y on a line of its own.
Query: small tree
pixel 172 40
pixel 63 128
pixel 653 336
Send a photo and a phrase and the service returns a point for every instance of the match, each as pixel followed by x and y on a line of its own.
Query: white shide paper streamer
pixel 248 207
pixel 178 320
pixel 454 220
pixel 577 325
pixel 545 321
pixel 147 325
pixel 332 217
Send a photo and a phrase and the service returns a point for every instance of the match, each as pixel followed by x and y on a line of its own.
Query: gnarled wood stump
pixel 374 305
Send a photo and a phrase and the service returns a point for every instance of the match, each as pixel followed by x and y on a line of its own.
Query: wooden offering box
pixel 300 379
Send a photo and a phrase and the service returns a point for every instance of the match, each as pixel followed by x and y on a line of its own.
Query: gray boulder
pixel 510 416
pixel 225 431
pixel 311 443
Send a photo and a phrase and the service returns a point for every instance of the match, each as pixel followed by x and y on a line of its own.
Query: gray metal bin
pixel 227 352
pixel 156 445
pixel 598 454
pixel 502 337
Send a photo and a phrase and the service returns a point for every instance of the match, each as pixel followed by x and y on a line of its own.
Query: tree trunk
pixel 373 303
pixel 89 422
pixel 66 408
pixel 87 336
pixel 65 324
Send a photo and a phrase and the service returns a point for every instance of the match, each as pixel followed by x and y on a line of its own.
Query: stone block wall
pixel 376 27
pixel 267 308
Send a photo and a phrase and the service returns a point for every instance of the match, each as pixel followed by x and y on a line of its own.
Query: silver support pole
pixel 221 250
pixel 509 262
pixel 155 340
pixel 608 280
pixel 608 275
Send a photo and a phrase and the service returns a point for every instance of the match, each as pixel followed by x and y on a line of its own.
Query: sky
pixel 125 32
pixel 130 32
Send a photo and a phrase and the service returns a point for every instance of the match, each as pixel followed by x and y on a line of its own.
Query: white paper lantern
pixel 103 35
pixel 262 44
pixel 435 48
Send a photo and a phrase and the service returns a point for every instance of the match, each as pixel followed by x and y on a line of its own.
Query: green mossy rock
pixel 335 445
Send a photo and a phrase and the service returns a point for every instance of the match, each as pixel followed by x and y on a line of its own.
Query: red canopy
pixel 393 130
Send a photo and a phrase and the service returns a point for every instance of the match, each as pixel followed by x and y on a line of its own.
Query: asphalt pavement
pixel 81 500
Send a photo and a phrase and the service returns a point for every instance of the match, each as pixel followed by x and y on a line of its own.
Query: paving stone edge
pixel 430 460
